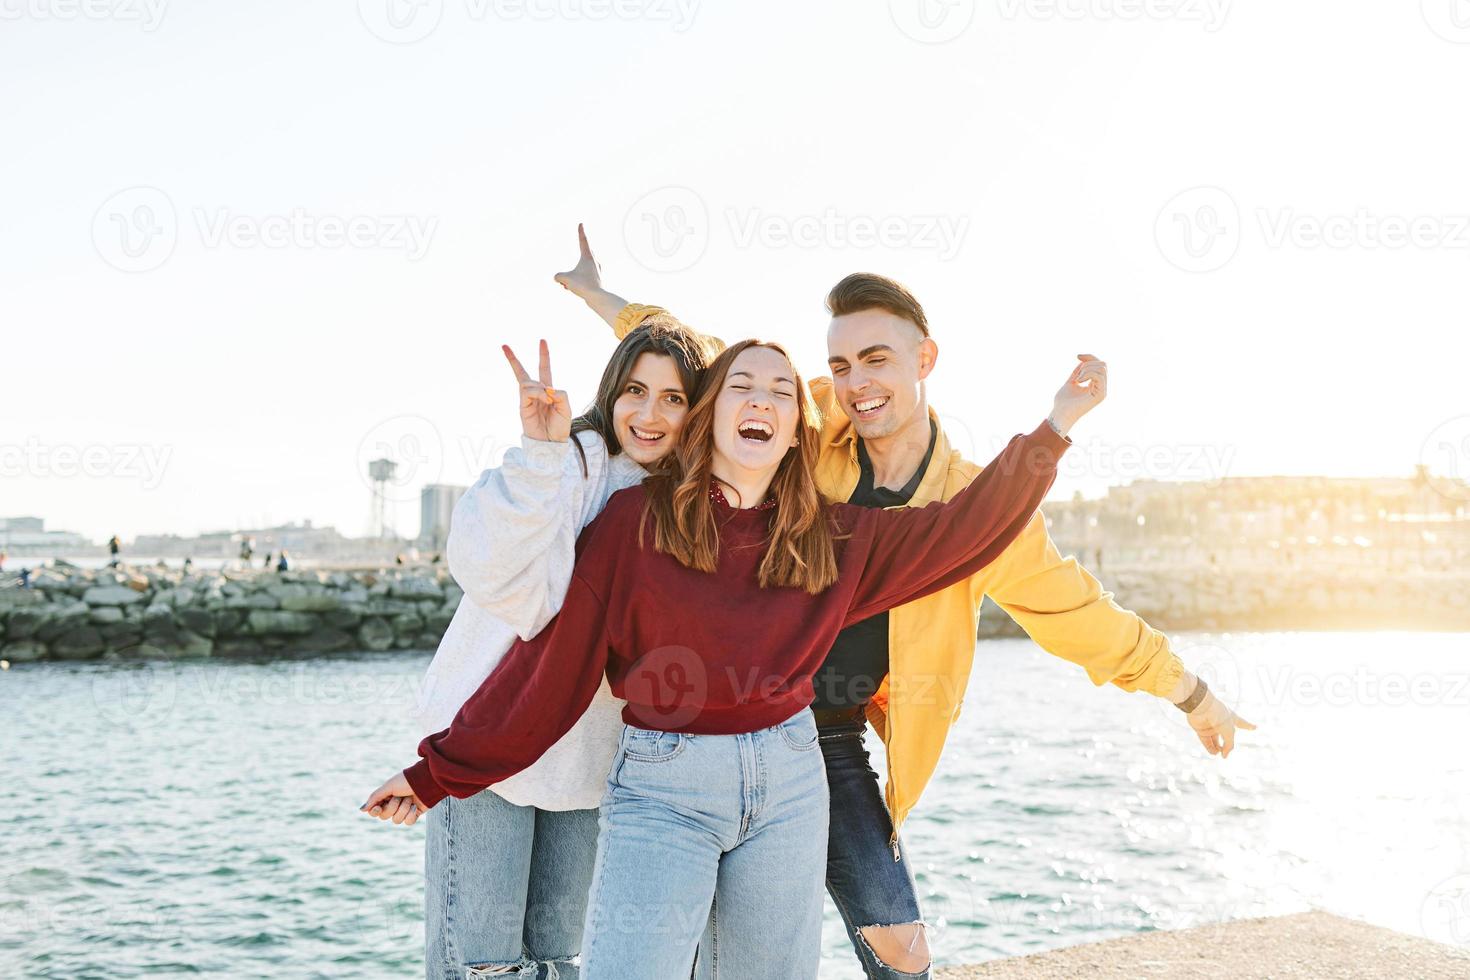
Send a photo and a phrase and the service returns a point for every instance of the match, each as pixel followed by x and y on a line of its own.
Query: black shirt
pixel 858 660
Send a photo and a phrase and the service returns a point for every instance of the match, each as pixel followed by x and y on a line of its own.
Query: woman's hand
pixel 395 800
pixel 585 278
pixel 1083 392
pixel 545 412
pixel 1215 724
pixel 585 282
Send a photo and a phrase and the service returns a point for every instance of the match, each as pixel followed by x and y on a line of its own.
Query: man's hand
pixel 585 278
pixel 1215 724
pixel 395 800
pixel 1083 391
pixel 546 414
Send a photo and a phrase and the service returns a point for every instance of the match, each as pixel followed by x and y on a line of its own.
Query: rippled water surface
pixel 201 817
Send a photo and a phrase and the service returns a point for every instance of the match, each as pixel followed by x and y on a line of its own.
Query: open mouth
pixel 869 407
pixel 754 430
pixel 643 435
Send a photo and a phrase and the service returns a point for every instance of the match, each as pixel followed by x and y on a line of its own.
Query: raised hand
pixel 585 278
pixel 546 414
pixel 395 801
pixel 1083 391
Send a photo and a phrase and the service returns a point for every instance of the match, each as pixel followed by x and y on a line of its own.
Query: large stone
pixel 312 602
pixel 438 621
pixel 62 618
pixel 268 622
pixel 23 651
pixel 415 588
pixel 253 600
pixel 182 644
pixel 111 595
pixel 375 634
pixel 199 621
pixel 239 647
pixel 22 624
pixel 342 619
pixel 408 624
pixel 120 636
pixel 324 641
pixel 106 614
pixel 83 643
pixel 228 621
pixel 378 606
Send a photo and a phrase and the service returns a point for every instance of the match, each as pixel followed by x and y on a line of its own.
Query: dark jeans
pixel 868 883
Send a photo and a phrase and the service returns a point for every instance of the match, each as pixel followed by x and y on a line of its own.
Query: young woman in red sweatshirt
pixel 709 596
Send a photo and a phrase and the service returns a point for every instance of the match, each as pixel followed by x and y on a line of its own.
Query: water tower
pixel 380 471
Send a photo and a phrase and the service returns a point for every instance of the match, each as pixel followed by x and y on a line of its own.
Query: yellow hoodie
pixel 931 642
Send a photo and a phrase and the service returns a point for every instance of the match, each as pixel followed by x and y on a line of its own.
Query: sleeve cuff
pixel 632 315
pixel 547 457
pixel 1168 676
pixel 422 781
pixel 1049 440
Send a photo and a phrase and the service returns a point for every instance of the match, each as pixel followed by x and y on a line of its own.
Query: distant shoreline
pixel 145 611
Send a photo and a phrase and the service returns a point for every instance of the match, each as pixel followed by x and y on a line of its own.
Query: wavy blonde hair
pixel 800 553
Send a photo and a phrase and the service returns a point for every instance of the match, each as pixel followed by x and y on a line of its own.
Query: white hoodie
pixel 512 545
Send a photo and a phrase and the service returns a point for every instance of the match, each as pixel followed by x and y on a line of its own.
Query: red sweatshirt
pixel 715 654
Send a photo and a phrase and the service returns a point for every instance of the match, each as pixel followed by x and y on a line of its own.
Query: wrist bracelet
pixel 1193 701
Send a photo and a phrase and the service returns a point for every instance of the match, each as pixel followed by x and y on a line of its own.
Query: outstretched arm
pixel 532 698
pixel 914 552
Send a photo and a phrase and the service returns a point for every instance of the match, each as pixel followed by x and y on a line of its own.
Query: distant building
pixel 1399 522
pixel 303 540
pixel 28 536
pixel 436 507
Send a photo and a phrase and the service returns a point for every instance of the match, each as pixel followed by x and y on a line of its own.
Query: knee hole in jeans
pixel 902 948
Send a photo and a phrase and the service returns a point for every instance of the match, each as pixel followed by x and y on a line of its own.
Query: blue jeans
pixel 506 888
pixel 695 822
pixel 869 884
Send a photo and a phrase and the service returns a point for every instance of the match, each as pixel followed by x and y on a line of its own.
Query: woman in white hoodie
pixel 508 870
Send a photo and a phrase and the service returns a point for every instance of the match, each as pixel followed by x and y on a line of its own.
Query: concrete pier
pixel 1309 946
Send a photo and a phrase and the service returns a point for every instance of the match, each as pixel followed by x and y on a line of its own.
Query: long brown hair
pixel 800 552
pixel 690 350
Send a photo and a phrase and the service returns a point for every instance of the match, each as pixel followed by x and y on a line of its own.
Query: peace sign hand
pixel 546 414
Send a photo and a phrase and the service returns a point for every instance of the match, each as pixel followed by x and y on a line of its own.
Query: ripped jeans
pixel 868 886
pixel 505 889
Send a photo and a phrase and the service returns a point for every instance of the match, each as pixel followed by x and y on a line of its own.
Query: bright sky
pixel 188 344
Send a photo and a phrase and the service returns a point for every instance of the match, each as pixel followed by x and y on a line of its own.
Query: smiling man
pixel 905 671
